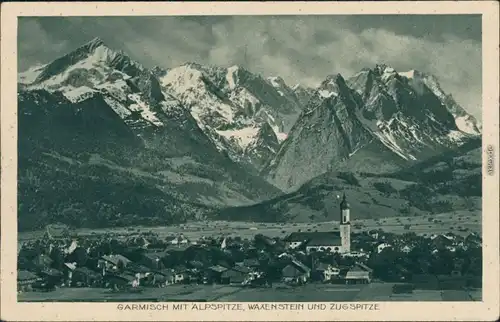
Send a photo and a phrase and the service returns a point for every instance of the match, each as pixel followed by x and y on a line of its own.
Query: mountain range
pixel 104 140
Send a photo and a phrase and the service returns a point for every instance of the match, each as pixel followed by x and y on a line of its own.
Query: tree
pixel 79 256
pixel 57 258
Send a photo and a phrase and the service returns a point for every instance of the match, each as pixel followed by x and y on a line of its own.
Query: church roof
pixel 309 236
pixel 325 240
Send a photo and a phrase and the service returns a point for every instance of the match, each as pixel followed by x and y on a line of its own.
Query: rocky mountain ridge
pixel 378 120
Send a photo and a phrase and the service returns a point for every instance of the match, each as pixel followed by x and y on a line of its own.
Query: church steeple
pixel 345 225
pixel 344 204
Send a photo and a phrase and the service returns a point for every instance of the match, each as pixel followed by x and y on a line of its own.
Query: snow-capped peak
pixel 94 43
pixel 276 81
pixel 409 74
pixel 93 55
pixel 232 76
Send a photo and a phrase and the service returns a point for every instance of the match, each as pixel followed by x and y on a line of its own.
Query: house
pixel 42 261
pixel 25 280
pixel 82 276
pixel 383 246
pixel 293 274
pixel 168 275
pixel 473 239
pixel 71 248
pixel 120 281
pixel 365 268
pixel 251 262
pixel 214 274
pixel 406 249
pixel 327 271
pixel 112 262
pixel 235 275
pixel 303 267
pixel 374 233
pixel 139 271
pixel 357 275
pixel 181 277
pixel 152 260
pixel 194 264
pixel 180 240
pixel 52 276
pixel 442 242
pixel 140 241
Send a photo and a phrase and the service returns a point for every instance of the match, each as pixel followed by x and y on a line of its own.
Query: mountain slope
pixel 231 104
pixel 448 182
pixel 377 121
pixel 83 113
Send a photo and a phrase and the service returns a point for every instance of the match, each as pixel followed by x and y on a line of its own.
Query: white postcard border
pixel 11 310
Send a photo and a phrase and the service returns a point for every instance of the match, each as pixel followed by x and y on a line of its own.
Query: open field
pixel 223 293
pixel 195 230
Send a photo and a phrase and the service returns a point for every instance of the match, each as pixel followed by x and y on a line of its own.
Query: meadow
pixel 467 221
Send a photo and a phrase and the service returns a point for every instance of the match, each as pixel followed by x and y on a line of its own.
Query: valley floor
pixel 314 292
pixel 468 221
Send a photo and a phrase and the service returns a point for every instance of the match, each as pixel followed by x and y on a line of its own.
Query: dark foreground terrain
pixel 278 293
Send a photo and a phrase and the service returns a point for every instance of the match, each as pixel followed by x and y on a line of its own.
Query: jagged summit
pixel 335 80
pixel 333 86
pixel 377 117
pixel 158 71
pixel 94 43
pixel 91 55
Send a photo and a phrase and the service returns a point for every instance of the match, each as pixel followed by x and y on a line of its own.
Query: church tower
pixel 345 225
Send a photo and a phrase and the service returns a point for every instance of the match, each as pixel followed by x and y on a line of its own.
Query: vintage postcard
pixel 250 161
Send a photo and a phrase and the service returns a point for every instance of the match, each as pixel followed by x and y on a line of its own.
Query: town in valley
pixel 365 265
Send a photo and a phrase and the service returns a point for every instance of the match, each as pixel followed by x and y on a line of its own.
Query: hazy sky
pixel 301 49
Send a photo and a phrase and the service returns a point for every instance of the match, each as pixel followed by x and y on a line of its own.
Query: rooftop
pixel 308 236
pixel 25 275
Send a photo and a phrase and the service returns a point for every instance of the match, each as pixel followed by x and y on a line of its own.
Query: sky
pixel 300 49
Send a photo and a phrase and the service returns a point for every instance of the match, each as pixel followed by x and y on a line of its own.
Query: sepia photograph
pixel 256 159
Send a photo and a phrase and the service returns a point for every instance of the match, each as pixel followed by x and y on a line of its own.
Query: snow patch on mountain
pixel 281 136
pixel 242 97
pixel 30 75
pixel 78 94
pixel 231 76
pixel 409 74
pixel 388 139
pixel 457 136
pixel 243 136
pixel 118 89
pixel 188 85
pixel 118 107
pixel 468 125
pixel 140 106
pixel 327 94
